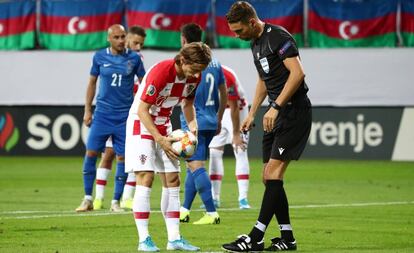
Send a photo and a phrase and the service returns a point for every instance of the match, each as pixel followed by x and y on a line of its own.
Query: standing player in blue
pixel 209 105
pixel 116 67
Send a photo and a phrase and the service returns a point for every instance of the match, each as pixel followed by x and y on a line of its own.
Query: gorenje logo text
pixel 355 134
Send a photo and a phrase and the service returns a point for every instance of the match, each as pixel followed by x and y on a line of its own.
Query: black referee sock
pixel 267 209
pixel 282 215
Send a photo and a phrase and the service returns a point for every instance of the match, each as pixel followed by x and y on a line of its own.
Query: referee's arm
pixel 295 79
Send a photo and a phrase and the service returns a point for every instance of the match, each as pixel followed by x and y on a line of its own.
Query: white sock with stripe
pixel 216 169
pixel 102 175
pixel 141 209
pixel 129 188
pixel 172 214
pixel 242 173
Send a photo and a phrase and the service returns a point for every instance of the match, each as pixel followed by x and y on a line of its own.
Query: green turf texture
pixel 323 195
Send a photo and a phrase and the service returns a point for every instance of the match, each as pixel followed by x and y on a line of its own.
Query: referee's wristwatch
pixel 275 106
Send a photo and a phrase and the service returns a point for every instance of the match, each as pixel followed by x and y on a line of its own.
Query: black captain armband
pixel 275 106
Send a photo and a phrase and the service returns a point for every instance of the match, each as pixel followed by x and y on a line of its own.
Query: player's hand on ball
pixel 165 143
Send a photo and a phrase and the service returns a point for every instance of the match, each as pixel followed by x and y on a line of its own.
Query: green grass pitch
pixel 335 206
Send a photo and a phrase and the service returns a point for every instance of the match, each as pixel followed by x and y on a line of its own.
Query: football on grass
pixel 187 144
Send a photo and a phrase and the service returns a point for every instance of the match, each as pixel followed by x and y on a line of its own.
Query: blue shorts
pixel 204 138
pixel 105 125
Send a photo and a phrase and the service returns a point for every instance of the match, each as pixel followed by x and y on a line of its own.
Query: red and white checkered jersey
pixel 163 90
pixel 234 89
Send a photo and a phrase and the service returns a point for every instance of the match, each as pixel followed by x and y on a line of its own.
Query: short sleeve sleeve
pixel 140 71
pixel 232 93
pixel 285 45
pixel 95 66
pixel 153 85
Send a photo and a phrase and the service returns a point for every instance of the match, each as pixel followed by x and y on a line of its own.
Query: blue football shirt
pixel 207 100
pixel 116 79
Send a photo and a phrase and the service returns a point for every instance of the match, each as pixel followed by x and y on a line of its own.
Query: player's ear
pixel 252 22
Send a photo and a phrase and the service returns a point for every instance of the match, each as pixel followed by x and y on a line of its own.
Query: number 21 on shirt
pixel 116 80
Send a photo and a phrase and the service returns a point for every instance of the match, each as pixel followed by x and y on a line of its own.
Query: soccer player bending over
pixel 148 147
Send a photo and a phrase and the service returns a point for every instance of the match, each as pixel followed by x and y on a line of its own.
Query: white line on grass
pixel 54 214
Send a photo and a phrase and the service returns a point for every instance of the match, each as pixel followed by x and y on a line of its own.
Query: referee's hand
pixel 247 124
pixel 269 119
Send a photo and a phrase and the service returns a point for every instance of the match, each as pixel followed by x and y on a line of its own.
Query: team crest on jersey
pixel 130 67
pixel 265 65
pixel 151 90
pixel 143 159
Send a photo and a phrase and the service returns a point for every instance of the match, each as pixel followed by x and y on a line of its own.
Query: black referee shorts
pixel 290 135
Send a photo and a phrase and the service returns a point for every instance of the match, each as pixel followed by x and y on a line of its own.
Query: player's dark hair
pixel 241 11
pixel 137 30
pixel 191 32
pixel 195 52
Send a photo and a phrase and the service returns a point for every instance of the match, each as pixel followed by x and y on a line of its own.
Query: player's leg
pixel 170 170
pixel 139 159
pixel 201 179
pixel 98 134
pixel 288 146
pixel 120 179
pixel 129 190
pixel 118 139
pixel 255 239
pixel 102 174
pixel 216 165
pixel 243 167
pixel 216 169
pixel 190 192
pixel 242 175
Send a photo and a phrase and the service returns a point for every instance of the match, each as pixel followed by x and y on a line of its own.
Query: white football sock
pixel 216 169
pixel 101 179
pixel 242 173
pixel 172 214
pixel 141 209
pixel 129 188
pixel 164 200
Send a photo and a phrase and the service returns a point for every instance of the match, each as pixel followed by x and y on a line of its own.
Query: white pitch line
pixel 55 214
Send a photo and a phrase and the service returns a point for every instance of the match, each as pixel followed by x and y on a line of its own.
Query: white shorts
pixel 108 143
pixel 142 153
pixel 226 134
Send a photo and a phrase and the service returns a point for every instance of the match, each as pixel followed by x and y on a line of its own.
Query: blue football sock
pixel 120 179
pixel 89 173
pixel 190 190
pixel 203 186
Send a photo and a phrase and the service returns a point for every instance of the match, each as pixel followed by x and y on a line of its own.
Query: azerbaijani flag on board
pixel 407 22
pixel 17 24
pixel 78 24
pixel 286 13
pixel 350 23
pixel 163 19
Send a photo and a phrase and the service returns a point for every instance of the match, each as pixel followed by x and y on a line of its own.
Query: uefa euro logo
pixel 9 134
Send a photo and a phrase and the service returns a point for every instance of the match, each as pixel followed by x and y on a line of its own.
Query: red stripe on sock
pixel 172 215
pixel 242 177
pixel 100 182
pixel 131 183
pixel 141 215
pixel 216 177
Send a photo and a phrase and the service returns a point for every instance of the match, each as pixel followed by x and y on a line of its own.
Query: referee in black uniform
pixel 286 123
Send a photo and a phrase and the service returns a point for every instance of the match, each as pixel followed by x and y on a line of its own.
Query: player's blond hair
pixel 194 52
